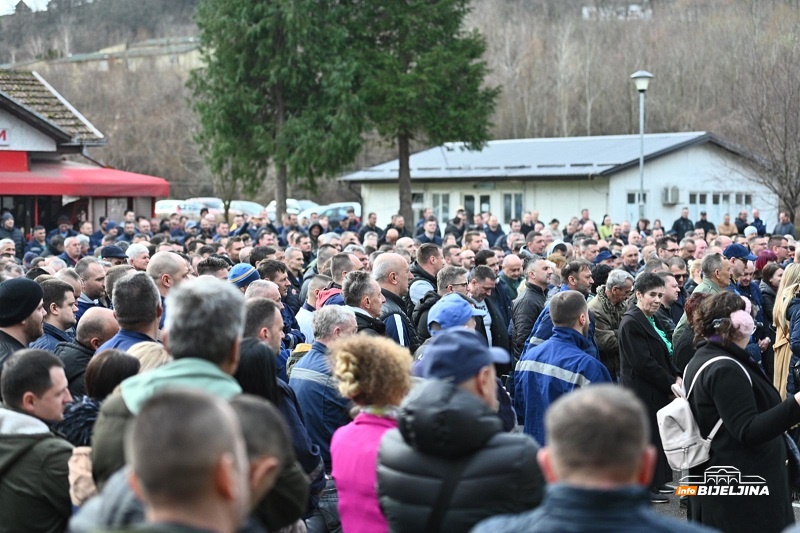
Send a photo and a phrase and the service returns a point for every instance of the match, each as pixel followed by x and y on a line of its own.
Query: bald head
pixel 167 270
pixel 96 326
pixel 391 271
pixel 630 256
pixel 512 267
pixel 263 289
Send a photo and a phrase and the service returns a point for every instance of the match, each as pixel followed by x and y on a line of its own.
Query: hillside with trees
pixel 563 68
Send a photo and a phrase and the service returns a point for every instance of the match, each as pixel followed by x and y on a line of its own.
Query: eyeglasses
pixel 458 284
pixel 680 276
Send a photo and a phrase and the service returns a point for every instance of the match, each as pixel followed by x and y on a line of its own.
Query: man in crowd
pixel 341 265
pixel 21 315
pixel 430 233
pixel 363 296
pixel 511 275
pixel 598 464
pixel 428 263
pixel 450 441
pixel 535 245
pixel 114 255
pixel 168 270
pixel 34 485
pixel 8 231
pixel 716 278
pixel 38 242
pixel 204 357
pixel 58 299
pixel 449 280
pixel 575 276
pixel 608 307
pixel 97 325
pixel 93 277
pixel 557 366
pixel 491 326
pixel 72 251
pixel 189 463
pixel 529 305
pixel 784 225
pixel 682 224
pixel 263 321
pixel 138 256
pixel 391 272
pixel 630 259
pixel 305 316
pixel 137 306
pixel 324 409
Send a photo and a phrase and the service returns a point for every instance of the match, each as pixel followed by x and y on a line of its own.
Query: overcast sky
pixel 7 6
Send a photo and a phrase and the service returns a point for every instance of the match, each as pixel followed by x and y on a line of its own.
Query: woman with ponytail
pixel 786 316
pixel 733 389
pixel 375 373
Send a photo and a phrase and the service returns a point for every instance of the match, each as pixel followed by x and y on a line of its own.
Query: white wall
pixel 21 137
pixel 704 169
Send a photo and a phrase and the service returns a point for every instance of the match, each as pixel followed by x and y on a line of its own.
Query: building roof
pixel 30 98
pixel 562 158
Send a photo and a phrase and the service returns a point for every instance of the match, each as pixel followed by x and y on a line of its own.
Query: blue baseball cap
pixel 739 252
pixel 458 354
pixel 449 312
pixel 605 255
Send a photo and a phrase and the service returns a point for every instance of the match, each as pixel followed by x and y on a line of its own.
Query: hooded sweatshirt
pixel 118 409
pixel 34 483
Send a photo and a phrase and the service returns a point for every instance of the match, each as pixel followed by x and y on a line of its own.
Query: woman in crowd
pixel 765 257
pixel 646 367
pixel 151 355
pixel 786 316
pixel 257 374
pixel 375 373
pixel 642 226
pixel 771 276
pixel 754 419
pixel 695 275
pixel 606 229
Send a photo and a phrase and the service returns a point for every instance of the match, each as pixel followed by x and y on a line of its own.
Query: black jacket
pixel 768 299
pixel 367 324
pixel 76 358
pixel 646 368
pixel 525 311
pixel 420 315
pixel 751 439
pixel 499 327
pixel 420 275
pixel 394 311
pixel 441 426
pixel 8 345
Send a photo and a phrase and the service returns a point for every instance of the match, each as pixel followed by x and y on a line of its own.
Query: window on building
pixel 512 206
pixel 440 203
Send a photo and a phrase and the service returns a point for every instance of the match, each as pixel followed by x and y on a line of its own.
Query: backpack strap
pixel 718 425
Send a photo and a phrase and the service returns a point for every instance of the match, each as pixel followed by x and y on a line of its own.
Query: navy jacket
pixel 567 508
pixel 546 372
pixel 52 336
pixel 543 330
pixel 324 409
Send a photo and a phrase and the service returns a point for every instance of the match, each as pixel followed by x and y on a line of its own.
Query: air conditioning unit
pixel 670 195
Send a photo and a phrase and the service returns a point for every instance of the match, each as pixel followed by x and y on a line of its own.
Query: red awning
pixel 67 178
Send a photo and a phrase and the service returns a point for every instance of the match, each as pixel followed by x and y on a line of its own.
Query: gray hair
pixel 350 248
pixel 357 284
pixel 326 238
pixel 618 278
pixel 6 242
pixel 447 276
pixel 329 318
pixel 600 431
pixel 136 250
pixel 710 264
pixel 194 306
pixel 136 300
pixel 82 266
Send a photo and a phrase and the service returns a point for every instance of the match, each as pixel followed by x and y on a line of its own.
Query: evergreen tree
pixel 276 93
pixel 423 77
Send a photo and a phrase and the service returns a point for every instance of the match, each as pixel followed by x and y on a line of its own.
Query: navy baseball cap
pixel 458 354
pixel 112 252
pixel 450 312
pixel 603 256
pixel 739 252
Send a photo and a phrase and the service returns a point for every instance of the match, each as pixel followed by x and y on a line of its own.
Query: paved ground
pixel 674 509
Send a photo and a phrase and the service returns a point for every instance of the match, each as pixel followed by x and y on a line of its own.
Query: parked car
pixel 292 206
pixel 246 207
pixel 164 208
pixel 335 212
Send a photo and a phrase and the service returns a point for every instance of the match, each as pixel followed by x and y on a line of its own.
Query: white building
pixel 560 176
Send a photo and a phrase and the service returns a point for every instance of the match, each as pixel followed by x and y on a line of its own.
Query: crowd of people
pixel 330 376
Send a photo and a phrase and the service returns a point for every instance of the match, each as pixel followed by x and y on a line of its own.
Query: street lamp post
pixel 641 78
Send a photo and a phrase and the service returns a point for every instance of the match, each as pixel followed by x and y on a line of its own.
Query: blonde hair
pixel 790 283
pixel 371 370
pixel 151 355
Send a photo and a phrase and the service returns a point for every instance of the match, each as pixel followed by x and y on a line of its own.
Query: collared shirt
pixel 124 339
pixel 52 336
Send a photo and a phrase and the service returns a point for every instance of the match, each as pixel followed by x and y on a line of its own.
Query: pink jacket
pixel 354 454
